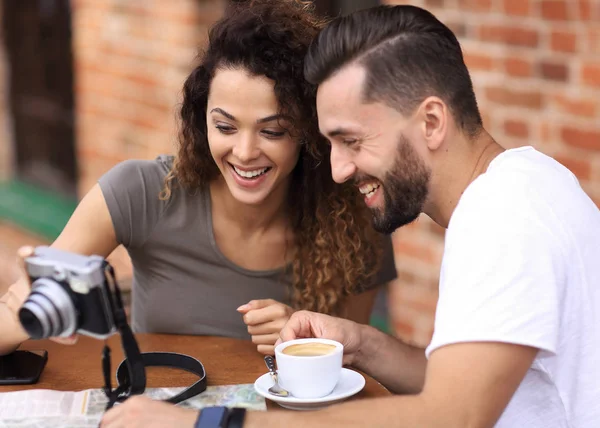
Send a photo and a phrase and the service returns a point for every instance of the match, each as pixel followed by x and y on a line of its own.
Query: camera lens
pixel 34 326
pixel 48 311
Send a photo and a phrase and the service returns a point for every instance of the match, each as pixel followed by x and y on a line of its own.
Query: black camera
pixel 69 293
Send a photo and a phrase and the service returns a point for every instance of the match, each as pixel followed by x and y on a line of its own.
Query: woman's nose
pixel 246 148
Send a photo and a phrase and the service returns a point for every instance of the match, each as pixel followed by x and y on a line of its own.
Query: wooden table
pixel 227 361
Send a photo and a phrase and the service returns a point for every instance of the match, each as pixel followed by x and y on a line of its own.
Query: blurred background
pixel 85 84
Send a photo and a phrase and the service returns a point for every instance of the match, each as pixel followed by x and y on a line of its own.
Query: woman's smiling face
pixel 249 139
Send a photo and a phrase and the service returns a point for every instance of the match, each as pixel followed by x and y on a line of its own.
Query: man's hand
pixel 144 412
pixel 265 319
pixel 305 324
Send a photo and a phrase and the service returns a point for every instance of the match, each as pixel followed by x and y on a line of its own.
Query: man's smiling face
pixel 374 145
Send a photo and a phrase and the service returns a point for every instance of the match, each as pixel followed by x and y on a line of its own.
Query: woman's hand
pixel 265 319
pixel 20 291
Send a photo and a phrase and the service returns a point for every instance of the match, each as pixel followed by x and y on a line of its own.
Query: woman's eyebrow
pixel 223 112
pixel 274 117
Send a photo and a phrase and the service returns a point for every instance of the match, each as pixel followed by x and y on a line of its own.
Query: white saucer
pixel 349 384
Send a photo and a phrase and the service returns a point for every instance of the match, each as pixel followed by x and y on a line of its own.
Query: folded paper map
pixel 83 409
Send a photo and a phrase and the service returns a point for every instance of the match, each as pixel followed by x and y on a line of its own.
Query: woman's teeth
pixel 369 189
pixel 250 174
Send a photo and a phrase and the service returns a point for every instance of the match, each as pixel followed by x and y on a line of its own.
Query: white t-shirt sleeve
pixel 502 272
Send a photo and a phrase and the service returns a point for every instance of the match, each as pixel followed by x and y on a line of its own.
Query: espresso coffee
pixel 313 349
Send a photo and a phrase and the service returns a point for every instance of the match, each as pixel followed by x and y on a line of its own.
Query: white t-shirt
pixel 522 265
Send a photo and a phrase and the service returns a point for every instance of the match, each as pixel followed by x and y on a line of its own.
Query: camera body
pixel 69 293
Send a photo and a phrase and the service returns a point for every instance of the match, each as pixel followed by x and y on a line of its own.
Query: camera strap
pixel 131 373
pixel 172 360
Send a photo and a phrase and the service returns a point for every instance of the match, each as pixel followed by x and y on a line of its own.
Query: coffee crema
pixel 314 349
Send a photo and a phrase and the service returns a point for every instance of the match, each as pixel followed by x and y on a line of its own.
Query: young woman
pixel 246 219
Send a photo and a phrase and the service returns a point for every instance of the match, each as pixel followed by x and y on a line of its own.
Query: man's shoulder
pixel 519 183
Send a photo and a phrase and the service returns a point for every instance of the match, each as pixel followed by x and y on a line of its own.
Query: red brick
pixel 109 89
pixel 576 106
pixel 590 74
pixel 148 78
pixel 459 28
pixel 546 131
pixel 509 35
pixel 424 299
pixel 479 61
pixel 516 128
pixel 201 12
pixel 582 168
pixel 584 139
pixel 409 248
pixel 514 97
pixel 563 41
pixel 553 71
pixel 593 40
pixel 555 10
pixel 518 67
pixel 98 154
pixel 585 10
pixel 434 3
pixel 475 5
pixel 517 7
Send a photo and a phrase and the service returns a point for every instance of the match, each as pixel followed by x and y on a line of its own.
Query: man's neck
pixel 455 169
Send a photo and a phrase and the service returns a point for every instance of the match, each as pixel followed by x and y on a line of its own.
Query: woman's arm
pixel 89 231
pixel 358 307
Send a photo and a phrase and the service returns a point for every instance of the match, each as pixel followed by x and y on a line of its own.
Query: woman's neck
pixel 251 219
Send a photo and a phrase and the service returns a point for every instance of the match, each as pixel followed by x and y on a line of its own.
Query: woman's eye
pixel 350 141
pixel 273 134
pixel 223 129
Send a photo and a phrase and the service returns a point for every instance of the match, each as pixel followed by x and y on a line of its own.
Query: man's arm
pixel 396 365
pixel 467 385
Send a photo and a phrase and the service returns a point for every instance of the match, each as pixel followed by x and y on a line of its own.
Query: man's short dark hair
pixel 408 55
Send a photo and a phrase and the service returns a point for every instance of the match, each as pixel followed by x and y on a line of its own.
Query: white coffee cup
pixel 305 376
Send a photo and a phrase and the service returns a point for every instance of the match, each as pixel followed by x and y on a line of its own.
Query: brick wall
pixel 535 65
pixel 131 59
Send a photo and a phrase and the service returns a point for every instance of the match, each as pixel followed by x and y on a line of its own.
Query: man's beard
pixel 405 189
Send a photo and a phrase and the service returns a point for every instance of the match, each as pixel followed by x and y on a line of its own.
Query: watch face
pixel 213 417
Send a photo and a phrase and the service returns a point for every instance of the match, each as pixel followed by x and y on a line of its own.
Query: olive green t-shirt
pixel 182 283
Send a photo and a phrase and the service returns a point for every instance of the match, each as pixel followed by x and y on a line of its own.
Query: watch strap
pixel 236 417
pixel 212 417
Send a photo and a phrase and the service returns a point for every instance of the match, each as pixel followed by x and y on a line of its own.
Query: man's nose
pixel 342 167
pixel 246 148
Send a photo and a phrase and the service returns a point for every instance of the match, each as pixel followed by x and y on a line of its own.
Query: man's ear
pixel 434 116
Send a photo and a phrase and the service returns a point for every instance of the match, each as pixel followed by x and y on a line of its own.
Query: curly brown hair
pixel 336 249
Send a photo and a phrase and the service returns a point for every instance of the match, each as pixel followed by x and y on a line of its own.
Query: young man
pixel 517 333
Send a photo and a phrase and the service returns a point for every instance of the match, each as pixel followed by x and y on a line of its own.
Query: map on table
pixel 52 409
